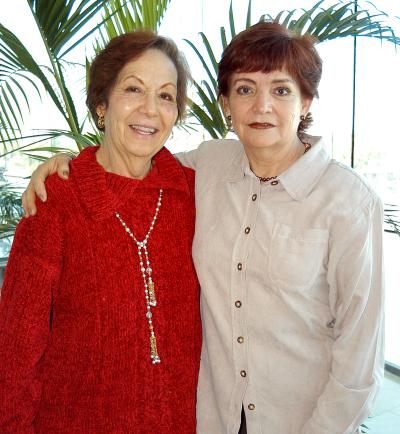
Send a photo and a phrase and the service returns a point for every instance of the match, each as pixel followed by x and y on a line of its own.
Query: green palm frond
pixel 20 74
pixel 10 209
pixel 336 21
pixel 126 16
pixel 61 22
pixel 208 111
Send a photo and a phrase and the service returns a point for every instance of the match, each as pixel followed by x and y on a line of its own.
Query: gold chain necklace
pixel 146 270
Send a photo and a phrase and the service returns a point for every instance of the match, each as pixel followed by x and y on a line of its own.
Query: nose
pixel 149 103
pixel 262 102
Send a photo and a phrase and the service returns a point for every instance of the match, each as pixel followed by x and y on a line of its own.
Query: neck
pixel 114 161
pixel 269 162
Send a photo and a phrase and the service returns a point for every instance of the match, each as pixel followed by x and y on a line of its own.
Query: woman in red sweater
pixel 99 318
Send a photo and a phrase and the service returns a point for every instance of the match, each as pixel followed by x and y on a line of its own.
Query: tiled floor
pixel 385 418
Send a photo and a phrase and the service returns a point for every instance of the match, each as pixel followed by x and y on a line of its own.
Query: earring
pixel 100 122
pixel 229 123
pixel 302 118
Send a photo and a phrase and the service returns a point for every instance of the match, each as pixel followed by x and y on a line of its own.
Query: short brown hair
pixel 123 49
pixel 267 47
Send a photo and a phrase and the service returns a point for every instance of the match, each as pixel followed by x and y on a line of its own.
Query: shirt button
pixel 254 197
pixel 239 266
pixel 247 230
pixel 238 303
pixel 243 373
pixel 251 406
pixel 275 182
pixel 240 339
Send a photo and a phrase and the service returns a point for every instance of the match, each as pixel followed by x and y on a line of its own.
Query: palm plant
pixel 62 25
pixel 337 21
pixel 10 209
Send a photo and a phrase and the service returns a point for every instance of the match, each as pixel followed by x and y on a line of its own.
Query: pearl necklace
pixel 146 270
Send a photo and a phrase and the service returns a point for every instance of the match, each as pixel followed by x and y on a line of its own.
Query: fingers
pixel 63 166
pixel 28 200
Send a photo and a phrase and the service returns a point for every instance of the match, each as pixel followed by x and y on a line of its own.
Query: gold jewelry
pixel 100 122
pixel 229 123
pixel 147 271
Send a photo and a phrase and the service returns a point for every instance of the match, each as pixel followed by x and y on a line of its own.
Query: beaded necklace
pixel 146 270
pixel 307 147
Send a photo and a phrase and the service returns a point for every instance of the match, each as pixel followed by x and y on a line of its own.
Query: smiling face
pixel 265 108
pixel 141 109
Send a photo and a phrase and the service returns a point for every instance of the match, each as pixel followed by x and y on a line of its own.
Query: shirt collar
pixel 97 197
pixel 299 179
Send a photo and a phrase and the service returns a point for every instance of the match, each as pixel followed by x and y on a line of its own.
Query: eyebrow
pixel 275 81
pixel 169 83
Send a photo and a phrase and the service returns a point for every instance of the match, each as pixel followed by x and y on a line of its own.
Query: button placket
pixel 239 269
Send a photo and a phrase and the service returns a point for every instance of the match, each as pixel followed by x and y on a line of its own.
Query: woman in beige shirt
pixel 288 250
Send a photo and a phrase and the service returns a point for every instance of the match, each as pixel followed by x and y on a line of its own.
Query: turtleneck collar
pixel 102 192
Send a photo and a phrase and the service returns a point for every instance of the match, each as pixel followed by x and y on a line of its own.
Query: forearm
pixel 355 275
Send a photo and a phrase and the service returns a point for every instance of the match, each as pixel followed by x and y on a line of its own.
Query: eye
pixel 166 96
pixel 133 89
pixel 282 91
pixel 244 90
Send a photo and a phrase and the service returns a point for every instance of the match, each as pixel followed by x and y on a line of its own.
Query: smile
pixel 261 126
pixel 142 129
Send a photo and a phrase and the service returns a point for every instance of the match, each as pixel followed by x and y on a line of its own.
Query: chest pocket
pixel 297 256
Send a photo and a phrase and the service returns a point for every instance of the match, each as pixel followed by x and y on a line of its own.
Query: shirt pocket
pixel 297 256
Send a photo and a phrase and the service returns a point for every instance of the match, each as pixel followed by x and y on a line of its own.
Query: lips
pixel 143 129
pixel 261 125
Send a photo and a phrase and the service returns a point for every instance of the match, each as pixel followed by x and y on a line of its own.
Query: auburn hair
pixel 122 49
pixel 269 46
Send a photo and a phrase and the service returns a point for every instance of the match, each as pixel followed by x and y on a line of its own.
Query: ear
pixel 101 109
pixel 305 105
pixel 225 106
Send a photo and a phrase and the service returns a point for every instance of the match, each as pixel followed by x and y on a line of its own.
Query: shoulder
pixel 215 157
pixel 59 191
pixel 349 189
pixel 220 148
pixel 350 180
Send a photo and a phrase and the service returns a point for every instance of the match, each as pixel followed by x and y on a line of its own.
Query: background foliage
pixel 66 24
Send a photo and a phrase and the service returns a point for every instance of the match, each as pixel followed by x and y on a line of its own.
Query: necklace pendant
pixel 152 295
pixel 146 271
pixel 153 350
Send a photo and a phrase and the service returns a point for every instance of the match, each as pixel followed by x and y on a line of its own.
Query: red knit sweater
pixel 74 337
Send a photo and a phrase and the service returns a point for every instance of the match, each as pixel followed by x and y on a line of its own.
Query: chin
pixel 143 151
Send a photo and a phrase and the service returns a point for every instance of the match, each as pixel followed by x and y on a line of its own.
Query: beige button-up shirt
pixel 292 294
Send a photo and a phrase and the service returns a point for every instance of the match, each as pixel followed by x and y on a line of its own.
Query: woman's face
pixel 141 109
pixel 265 108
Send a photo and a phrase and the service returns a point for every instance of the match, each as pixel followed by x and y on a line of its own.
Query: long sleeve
pixel 355 276
pixel 25 309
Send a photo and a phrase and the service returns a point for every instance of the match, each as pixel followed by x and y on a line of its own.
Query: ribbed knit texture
pixel 74 338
